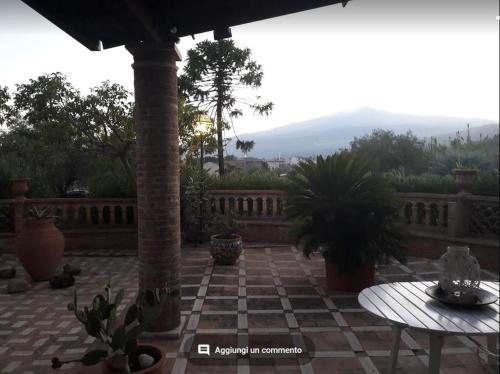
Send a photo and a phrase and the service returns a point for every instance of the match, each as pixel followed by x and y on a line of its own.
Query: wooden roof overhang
pixel 111 23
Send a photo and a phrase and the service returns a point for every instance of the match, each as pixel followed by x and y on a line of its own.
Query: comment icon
pixel 204 349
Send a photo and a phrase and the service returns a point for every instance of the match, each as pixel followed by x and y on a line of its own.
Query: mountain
pixel 327 134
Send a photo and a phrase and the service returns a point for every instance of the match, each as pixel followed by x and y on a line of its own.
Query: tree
pixel 245 146
pixel 40 141
pixel 393 151
pixel 104 119
pixel 215 77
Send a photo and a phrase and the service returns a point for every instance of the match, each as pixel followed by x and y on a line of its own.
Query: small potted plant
pixel 120 351
pixel 343 210
pixel 40 244
pixel 226 245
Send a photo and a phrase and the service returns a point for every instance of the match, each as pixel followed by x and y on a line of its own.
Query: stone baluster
pixel 88 214
pixel 64 213
pixel 124 214
pixel 275 207
pixel 414 213
pixel 427 215
pixel 264 206
pixel 219 204
pixel 112 220
pixel 100 214
pixel 245 207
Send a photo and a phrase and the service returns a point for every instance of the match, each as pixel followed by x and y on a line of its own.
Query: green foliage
pixel 456 157
pixel 245 146
pixel 100 322
pixel 427 183
pixel 40 141
pixel 108 179
pixel 393 151
pixel 194 196
pixel 224 224
pixel 39 213
pixel 257 180
pixel 487 184
pixel 340 207
pixel 215 77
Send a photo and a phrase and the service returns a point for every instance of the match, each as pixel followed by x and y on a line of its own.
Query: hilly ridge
pixel 327 134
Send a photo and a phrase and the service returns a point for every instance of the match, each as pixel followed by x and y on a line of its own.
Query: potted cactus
pixel 120 351
pixel 40 244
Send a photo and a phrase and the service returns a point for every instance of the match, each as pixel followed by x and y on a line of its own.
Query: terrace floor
pixel 272 295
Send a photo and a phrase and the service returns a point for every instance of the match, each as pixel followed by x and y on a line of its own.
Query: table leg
pixel 436 343
pixel 492 347
pixel 396 339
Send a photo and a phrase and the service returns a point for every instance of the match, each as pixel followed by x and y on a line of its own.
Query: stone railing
pixel 482 216
pixel 85 213
pixel 448 217
pixel 258 204
pixel 452 216
pixel 425 212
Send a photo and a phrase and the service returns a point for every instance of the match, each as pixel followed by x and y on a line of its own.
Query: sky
pixel 427 57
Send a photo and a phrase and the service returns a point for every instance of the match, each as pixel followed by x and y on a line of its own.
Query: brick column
pixel 158 207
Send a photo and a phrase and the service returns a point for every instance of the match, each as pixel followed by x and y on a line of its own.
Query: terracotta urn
pixel 20 186
pixel 39 247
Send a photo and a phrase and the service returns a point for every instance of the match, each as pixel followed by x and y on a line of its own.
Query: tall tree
pixel 215 77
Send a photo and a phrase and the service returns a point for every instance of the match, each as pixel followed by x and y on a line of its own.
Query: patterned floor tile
pixel 272 296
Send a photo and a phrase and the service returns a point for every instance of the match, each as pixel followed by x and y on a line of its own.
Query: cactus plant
pixel 100 322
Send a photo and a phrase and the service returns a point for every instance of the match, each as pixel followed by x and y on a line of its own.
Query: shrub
pixel 427 183
pixel 486 184
pixel 257 180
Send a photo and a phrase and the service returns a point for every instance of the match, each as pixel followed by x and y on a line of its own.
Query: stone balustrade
pixel 87 212
pixel 258 204
pixel 461 217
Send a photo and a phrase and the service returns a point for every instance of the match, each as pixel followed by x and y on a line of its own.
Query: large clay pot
pixel 362 278
pixel 20 186
pixel 149 349
pixel 39 247
pixel 225 249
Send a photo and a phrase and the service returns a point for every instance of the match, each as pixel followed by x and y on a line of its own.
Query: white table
pixel 407 305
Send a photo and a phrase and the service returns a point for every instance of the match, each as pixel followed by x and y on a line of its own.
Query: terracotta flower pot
pixel 39 247
pixel 225 249
pixel 149 349
pixel 362 278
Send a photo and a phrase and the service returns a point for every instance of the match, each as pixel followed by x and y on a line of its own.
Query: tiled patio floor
pixel 272 294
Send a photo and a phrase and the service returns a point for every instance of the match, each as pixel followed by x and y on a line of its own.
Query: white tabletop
pixel 407 304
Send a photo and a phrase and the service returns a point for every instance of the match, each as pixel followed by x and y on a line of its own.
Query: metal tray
pixel 481 297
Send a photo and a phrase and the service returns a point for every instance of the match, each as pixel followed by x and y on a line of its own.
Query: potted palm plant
pixel 40 244
pixel 120 352
pixel 346 212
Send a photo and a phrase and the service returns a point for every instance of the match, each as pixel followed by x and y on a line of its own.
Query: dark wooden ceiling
pixel 118 22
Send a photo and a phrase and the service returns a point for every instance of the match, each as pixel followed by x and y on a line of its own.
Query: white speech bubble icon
pixel 204 349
